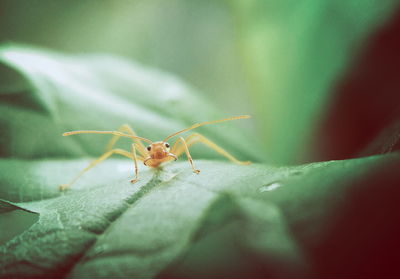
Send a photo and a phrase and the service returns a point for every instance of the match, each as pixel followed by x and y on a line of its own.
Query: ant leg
pixel 195 138
pixel 126 128
pixel 186 149
pixel 134 163
pixel 99 160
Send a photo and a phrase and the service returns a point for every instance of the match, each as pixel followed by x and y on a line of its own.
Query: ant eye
pixel 149 148
pixel 167 145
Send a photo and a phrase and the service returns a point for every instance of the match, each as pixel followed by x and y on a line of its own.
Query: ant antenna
pixel 106 132
pixel 206 123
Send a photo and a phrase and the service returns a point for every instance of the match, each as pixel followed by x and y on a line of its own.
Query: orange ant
pixel 157 152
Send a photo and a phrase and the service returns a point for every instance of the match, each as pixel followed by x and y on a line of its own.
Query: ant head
pixel 158 150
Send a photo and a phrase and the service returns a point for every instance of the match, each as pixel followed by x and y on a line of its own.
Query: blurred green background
pixel 320 79
pixel 277 60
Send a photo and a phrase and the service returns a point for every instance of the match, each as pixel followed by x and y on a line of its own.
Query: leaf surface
pixel 107 227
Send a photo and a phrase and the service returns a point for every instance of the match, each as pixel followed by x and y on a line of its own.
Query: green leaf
pixel 106 227
pixel 97 92
pixel 387 140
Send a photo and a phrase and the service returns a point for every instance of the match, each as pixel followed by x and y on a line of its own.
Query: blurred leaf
pixel 387 141
pixel 106 227
pixel 293 51
pixel 363 116
pixel 97 92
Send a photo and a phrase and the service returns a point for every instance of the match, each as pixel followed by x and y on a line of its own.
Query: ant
pixel 157 152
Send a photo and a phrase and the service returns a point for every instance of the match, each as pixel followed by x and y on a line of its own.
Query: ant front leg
pixel 135 164
pixel 186 149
